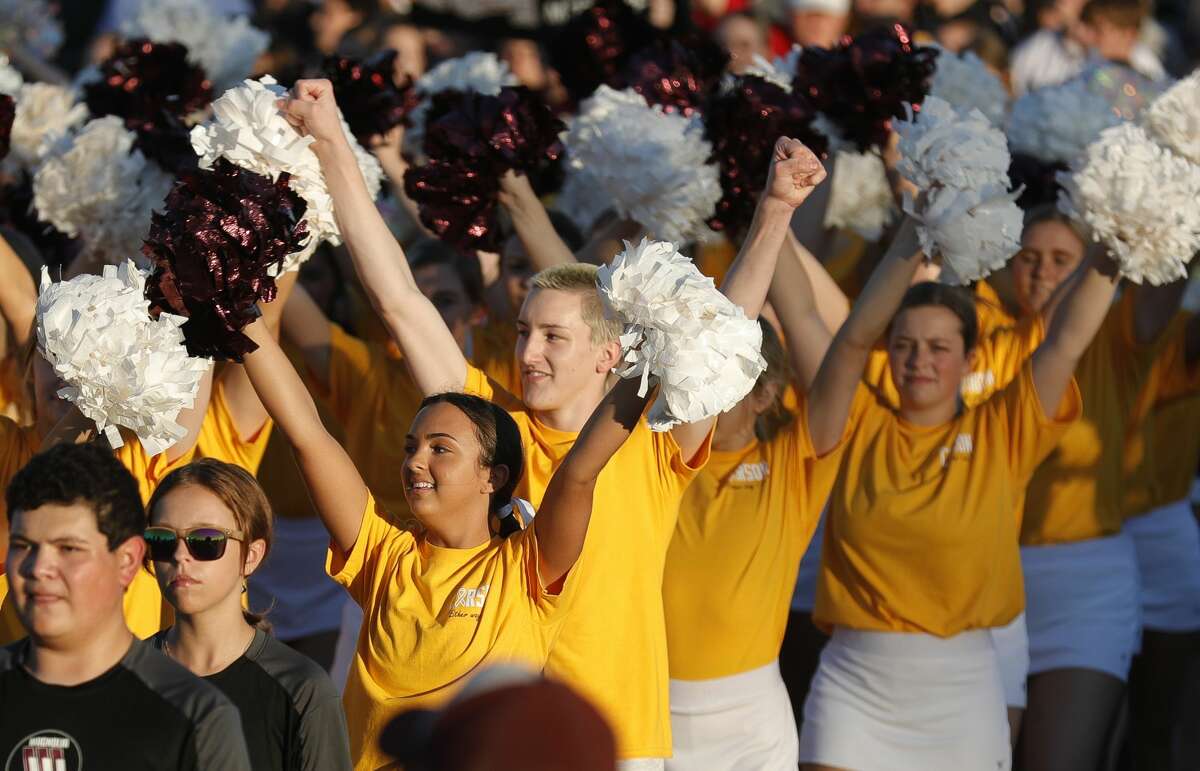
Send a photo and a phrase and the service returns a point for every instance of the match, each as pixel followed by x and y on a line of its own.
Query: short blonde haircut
pixel 580 278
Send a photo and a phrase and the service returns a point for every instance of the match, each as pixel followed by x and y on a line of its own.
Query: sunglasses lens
pixel 206 544
pixel 160 544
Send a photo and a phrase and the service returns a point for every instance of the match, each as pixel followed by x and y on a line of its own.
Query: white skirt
pixel 1012 654
pixel 1082 606
pixel 1167 543
pixel 743 722
pixel 907 702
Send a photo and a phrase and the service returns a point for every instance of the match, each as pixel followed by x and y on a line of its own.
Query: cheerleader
pixel 920 556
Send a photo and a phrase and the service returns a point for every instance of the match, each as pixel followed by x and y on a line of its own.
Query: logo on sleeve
pixel 469 602
pixel 45 751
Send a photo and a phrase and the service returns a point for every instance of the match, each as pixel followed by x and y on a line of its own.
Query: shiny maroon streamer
pixel 594 47
pixel 471 140
pixel 1037 177
pixel 367 94
pixel 864 82
pixel 743 124
pixel 676 73
pixel 221 234
pixel 146 82
pixel 8 111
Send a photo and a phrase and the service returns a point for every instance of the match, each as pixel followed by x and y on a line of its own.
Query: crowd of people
pixel 450 479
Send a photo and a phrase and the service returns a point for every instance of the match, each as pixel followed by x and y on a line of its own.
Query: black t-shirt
pixel 147 712
pixel 291 713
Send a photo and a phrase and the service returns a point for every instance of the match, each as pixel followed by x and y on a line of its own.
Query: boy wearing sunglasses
pixel 81 685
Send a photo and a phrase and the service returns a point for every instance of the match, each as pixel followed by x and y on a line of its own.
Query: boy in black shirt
pixel 81 687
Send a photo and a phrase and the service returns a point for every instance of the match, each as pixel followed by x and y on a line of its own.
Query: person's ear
pixel 497 478
pixel 610 354
pixel 256 551
pixel 130 555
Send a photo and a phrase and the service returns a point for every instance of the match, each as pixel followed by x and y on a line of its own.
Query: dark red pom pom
pixel 1037 177
pixel 143 81
pixel 677 73
pixel 8 111
pixel 594 47
pixel 863 82
pixel 367 94
pixel 471 140
pixel 743 123
pixel 222 233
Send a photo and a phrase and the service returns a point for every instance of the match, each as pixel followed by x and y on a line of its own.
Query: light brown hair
pixel 779 374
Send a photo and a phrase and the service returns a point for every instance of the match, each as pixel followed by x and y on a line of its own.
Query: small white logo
pixel 45 751
pixel 751 472
pixel 978 382
pixel 470 598
pixel 963 445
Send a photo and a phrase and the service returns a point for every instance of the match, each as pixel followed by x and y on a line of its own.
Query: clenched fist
pixel 795 172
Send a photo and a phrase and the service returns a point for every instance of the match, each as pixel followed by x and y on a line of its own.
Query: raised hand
pixel 795 172
pixel 311 108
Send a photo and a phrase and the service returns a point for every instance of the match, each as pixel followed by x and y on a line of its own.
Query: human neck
pixel 735 439
pixel 73 665
pixel 572 416
pixel 462 537
pixel 934 415
pixel 208 642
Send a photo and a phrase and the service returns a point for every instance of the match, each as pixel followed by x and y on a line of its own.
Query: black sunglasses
pixel 203 543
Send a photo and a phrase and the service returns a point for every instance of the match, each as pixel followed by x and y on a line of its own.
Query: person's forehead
pixel 55 520
pixel 927 321
pixel 192 505
pixel 553 306
pixel 442 418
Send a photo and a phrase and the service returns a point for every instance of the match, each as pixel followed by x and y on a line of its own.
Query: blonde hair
pixel 580 278
pixel 779 374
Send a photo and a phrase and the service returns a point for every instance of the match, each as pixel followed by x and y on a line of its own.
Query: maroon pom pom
pixel 8 111
pixel 367 94
pixel 143 81
pixel 593 48
pixel 168 144
pixel 862 83
pixel 214 247
pixel 471 140
pixel 677 73
pixel 1037 177
pixel 743 124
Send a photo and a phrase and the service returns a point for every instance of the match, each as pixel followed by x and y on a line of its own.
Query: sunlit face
pixel 516 272
pixel 742 38
pixel 818 28
pixel 442 285
pixel 927 358
pixel 1050 253
pixel 442 473
pixel 50 407
pixel 555 353
pixel 193 586
pixel 64 581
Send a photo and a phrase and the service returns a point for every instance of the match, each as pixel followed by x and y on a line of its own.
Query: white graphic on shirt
pixel 751 472
pixel 976 383
pixel 963 445
pixel 468 602
pixel 45 751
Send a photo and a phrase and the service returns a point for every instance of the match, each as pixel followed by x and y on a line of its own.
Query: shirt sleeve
pixel 219 437
pixel 324 738
pixel 1031 433
pixel 522 547
pixel 220 744
pixel 361 571
pixel 148 470
pixel 479 384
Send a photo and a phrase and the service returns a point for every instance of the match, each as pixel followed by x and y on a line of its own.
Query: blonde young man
pixel 614 646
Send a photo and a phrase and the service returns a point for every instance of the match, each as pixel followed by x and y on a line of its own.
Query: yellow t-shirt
pixel 743 526
pixel 614 648
pixel 493 350
pixel 1076 493
pixel 143 600
pixel 432 616
pixel 1162 449
pixel 219 437
pixel 921 533
pixel 990 310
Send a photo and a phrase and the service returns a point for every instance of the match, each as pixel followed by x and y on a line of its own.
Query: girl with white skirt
pixel 920 556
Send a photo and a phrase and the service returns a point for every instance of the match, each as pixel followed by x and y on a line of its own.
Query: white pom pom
pixel 1139 200
pixel 679 329
pixel 1174 118
pixel 225 48
pixel 787 63
pixel 44 115
pixel 248 130
pixel 581 198
pixel 10 79
pixel 964 81
pixel 653 166
pixel 1057 123
pixel 484 73
pixel 121 367
pixel 96 186
pixel 860 197
pixel 961 162
pixel 948 147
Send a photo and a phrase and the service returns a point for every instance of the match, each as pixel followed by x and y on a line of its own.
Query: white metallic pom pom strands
pixel 681 331
pixel 653 166
pixel 1056 124
pixel 1173 119
pixel 1139 200
pixel 964 81
pixel 860 197
pixel 44 114
pixel 121 367
pixel 961 162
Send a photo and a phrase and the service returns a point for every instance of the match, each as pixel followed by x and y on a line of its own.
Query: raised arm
pixel 807 332
pixel 833 389
pixel 18 295
pixel 306 327
pixel 541 241
pixel 429 347
pixel 1072 328
pixel 338 491
pixel 562 521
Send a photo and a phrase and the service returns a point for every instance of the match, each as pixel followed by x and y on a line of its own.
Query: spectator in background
pixel 743 37
pixel 346 27
pixel 818 22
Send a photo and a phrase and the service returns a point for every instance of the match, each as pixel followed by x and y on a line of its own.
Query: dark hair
pixel 81 473
pixel 431 251
pixel 955 299
pixel 499 445
pixel 1048 212
pixel 769 423
pixel 1126 14
pixel 240 493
